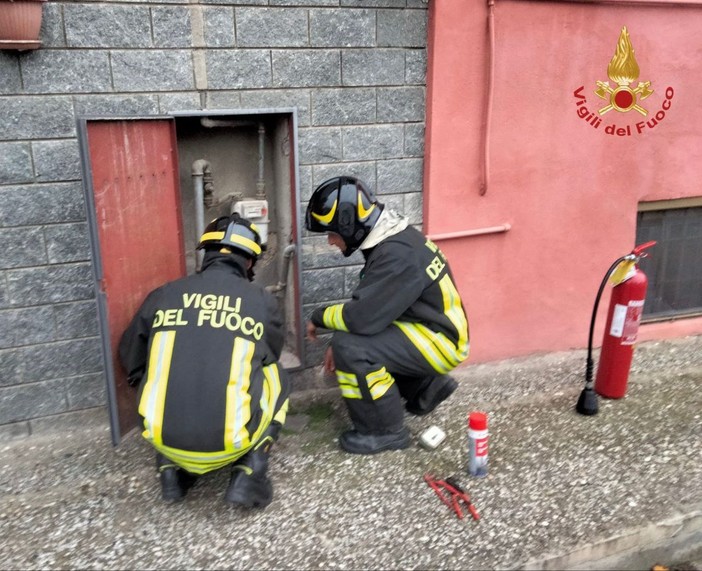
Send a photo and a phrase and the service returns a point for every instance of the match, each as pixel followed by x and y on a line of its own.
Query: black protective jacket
pixel 406 279
pixel 197 348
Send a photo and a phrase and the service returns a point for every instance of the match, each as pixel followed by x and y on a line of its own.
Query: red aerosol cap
pixel 477 421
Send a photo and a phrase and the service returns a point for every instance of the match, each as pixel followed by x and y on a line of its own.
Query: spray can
pixel 477 444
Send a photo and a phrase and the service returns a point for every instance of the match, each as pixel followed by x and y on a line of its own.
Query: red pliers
pixel 457 495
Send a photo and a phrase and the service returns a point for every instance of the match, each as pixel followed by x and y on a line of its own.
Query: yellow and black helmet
pixel 235 233
pixel 343 205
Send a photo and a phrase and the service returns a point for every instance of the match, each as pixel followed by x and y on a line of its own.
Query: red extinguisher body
pixel 621 330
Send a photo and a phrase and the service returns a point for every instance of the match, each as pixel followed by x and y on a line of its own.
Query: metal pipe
pixel 212 123
pixel 199 169
pixel 261 182
pixel 487 123
pixel 288 254
pixel 467 233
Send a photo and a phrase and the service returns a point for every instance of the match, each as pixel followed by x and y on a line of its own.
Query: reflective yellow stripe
pixel 250 244
pixel 328 317
pixel 376 375
pixel 348 385
pixel 212 236
pixel 362 212
pixel 379 390
pixel 326 218
pixel 454 311
pixel 350 393
pixel 348 378
pixel 238 411
pixel 425 347
pixel 153 397
pixel 333 317
pixel 379 382
pixel 441 342
pixel 271 393
pixel 340 323
pixel 282 413
pixel 265 404
pixel 272 372
pixel 269 398
pixel 200 462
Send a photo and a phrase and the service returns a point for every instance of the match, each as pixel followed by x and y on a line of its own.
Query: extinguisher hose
pixel 590 366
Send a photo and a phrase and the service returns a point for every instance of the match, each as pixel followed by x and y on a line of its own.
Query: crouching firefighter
pixel 203 351
pixel 404 328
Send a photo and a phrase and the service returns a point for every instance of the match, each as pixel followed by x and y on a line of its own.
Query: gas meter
pixel 255 210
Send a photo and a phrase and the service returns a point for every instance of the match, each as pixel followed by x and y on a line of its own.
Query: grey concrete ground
pixel 622 489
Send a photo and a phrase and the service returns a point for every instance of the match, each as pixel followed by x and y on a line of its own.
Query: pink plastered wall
pixel 568 189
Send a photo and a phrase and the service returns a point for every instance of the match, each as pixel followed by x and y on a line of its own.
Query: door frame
pixel 97 263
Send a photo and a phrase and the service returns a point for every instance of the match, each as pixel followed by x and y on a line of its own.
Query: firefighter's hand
pixel 329 366
pixel 311 331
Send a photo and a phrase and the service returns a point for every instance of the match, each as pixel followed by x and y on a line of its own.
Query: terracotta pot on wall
pixel 20 22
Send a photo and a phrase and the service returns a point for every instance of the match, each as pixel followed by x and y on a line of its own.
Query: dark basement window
pixel 674 265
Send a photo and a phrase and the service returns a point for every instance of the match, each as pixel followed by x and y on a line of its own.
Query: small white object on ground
pixel 432 437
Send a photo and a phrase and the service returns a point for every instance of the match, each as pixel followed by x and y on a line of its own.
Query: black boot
pixel 249 485
pixel 378 425
pixel 175 482
pixel 357 442
pixel 432 394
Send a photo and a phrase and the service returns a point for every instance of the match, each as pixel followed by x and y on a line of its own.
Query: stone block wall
pixel 354 69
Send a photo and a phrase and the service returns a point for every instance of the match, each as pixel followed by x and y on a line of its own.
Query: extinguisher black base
pixel 587 403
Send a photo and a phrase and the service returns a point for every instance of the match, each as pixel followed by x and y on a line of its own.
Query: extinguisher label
pixel 632 321
pixel 618 318
pixel 626 320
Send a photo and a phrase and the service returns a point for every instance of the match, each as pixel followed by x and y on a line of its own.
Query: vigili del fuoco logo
pixel 622 96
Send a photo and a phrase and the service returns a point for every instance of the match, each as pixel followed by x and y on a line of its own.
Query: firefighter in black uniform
pixel 404 327
pixel 203 351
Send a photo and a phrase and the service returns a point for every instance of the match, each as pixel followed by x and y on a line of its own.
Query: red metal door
pixel 136 228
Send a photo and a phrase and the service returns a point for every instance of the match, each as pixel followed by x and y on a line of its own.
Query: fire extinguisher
pixel 623 319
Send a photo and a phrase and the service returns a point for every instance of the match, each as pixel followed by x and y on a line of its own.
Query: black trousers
pixel 375 373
